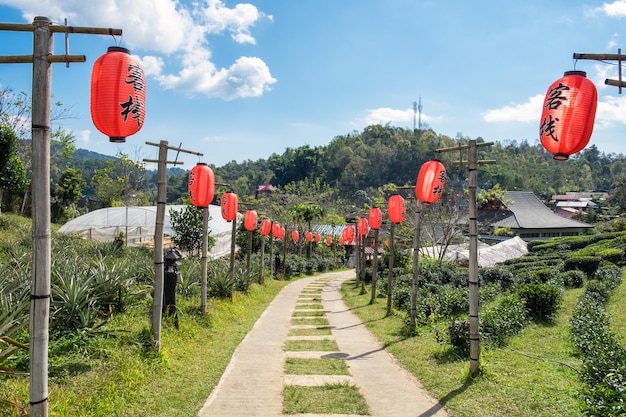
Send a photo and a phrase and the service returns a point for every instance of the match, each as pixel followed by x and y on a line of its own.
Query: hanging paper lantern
pixel 276 230
pixel 295 235
pixel 201 185
pixel 266 227
pixel 317 238
pixel 363 226
pixel 395 208
pixel 229 206
pixel 350 234
pixel 309 237
pixel 329 240
pixel 430 181
pixel 569 111
pixel 375 217
pixel 250 220
pixel 118 94
pixel 282 233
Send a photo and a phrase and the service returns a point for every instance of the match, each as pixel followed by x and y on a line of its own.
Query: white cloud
pixel 383 115
pixel 615 9
pixel 611 110
pixel 175 37
pixel 524 112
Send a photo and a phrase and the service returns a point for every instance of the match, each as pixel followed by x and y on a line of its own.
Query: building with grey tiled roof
pixel 530 219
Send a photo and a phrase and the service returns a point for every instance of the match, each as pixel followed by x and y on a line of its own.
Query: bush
pixel 542 301
pixel 459 331
pixel 587 264
pixel 573 278
pixel 502 276
pixel 610 274
pixel 506 318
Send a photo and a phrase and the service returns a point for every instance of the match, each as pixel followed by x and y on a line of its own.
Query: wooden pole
pixel 233 238
pixel 40 287
pixel 392 237
pixel 473 261
pixel 157 301
pixel 249 253
pixel 261 272
pixel 205 259
pixel 375 267
pixel 416 248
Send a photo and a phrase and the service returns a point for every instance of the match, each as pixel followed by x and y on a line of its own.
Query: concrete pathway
pixel 253 382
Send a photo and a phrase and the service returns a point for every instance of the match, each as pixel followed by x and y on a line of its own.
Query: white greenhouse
pixel 138 224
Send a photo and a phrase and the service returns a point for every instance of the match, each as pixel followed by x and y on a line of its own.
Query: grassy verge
pixel 532 376
pixel 113 375
pixel 327 399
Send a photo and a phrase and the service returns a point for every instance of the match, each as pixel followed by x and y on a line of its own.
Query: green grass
pixel 297 366
pixel 320 321
pixel 308 313
pixel 311 345
pixel 112 375
pixel 327 399
pixel 532 376
pixel 309 306
pixel 313 331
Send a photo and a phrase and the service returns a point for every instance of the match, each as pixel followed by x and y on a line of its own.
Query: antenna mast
pixel 419 107
pixel 414 111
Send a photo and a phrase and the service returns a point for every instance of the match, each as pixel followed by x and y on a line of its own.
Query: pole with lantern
pixel 428 188
pixel 364 229
pixel 228 204
pixel 275 235
pixel 201 190
pixel 375 220
pixel 397 213
pixel 472 166
pixel 250 220
pixel 264 230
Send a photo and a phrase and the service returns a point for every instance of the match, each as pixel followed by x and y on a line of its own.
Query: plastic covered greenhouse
pixel 137 226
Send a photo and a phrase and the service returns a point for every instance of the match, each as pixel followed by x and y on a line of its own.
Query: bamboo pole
pixel 261 272
pixel 40 287
pixel 416 247
pixel 473 261
pixel 375 267
pixel 205 259
pixel 392 237
pixel 157 301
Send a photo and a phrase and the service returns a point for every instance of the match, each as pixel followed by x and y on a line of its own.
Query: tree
pixel 120 182
pixel 187 226
pixel 12 172
pixel 67 192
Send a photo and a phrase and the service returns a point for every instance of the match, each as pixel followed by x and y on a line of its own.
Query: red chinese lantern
pixel 375 217
pixel 342 240
pixel 295 235
pixel 282 233
pixel 349 234
pixel 430 181
pixel 118 94
pixel 266 227
pixel 309 237
pixel 201 185
pixel 276 230
pixel 395 207
pixel 317 238
pixel 329 240
pixel 363 226
pixel 569 110
pixel 229 206
pixel 250 220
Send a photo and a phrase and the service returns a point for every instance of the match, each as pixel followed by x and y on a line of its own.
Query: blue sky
pixel 242 80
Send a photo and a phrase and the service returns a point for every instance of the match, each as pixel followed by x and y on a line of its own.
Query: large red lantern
pixel 250 220
pixel 430 181
pixel 266 227
pixel 201 185
pixel 329 240
pixel 309 237
pixel 229 206
pixel 282 233
pixel 317 238
pixel 363 226
pixel 276 230
pixel 395 208
pixel 569 110
pixel 375 217
pixel 295 235
pixel 118 94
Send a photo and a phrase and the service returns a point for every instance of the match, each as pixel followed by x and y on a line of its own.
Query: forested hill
pixel 382 155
